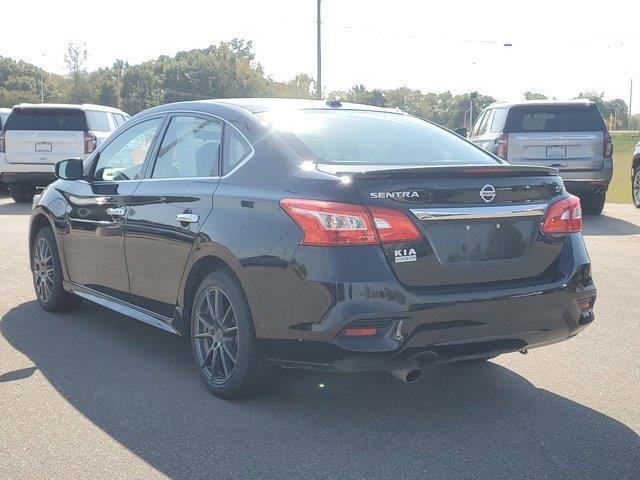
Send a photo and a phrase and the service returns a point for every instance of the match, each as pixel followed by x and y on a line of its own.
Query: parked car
pixel 35 137
pixel 322 236
pixel 570 136
pixel 635 176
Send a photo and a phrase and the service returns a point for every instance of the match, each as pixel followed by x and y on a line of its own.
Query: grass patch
pixel 620 187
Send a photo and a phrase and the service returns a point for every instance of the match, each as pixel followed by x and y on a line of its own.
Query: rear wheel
pixel 223 339
pixel 47 274
pixel 593 203
pixel 635 188
pixel 21 192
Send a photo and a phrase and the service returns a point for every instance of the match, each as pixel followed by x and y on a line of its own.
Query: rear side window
pixel 46 119
pixel 3 119
pixel 499 120
pixel 190 148
pixel 236 149
pixel 119 119
pixel 97 121
pixel 554 118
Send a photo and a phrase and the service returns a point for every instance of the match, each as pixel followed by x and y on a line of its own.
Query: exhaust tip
pixel 413 375
pixel 407 374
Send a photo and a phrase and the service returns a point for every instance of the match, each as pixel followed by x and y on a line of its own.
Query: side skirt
pixel 124 308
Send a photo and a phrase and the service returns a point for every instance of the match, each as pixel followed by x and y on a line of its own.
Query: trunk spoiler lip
pixel 370 171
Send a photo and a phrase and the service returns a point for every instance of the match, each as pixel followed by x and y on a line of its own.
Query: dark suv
pixel 313 235
pixel 570 136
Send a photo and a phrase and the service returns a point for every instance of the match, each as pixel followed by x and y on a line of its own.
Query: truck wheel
pixel 635 188
pixel 593 203
pixel 21 192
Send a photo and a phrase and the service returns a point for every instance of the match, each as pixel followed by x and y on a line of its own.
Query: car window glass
pixel 499 118
pixel 236 149
pixel 123 157
pixel 555 118
pixel 25 118
pixel 476 126
pixel 97 121
pixel 190 148
pixel 485 122
pixel 119 119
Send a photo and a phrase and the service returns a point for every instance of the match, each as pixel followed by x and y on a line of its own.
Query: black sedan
pixel 313 235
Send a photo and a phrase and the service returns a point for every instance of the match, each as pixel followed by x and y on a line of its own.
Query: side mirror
pixel 462 132
pixel 69 169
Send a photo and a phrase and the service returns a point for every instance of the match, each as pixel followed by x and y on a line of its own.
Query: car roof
pixel 5 110
pixel 70 106
pixel 258 105
pixel 579 101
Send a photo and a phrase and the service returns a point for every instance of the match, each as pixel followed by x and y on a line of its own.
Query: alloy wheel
pixel 43 270
pixel 216 335
pixel 636 188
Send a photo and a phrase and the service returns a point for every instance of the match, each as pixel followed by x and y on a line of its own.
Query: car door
pixel 169 207
pixel 97 207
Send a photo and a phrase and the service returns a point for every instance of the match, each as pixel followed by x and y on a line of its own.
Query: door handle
pixel 187 218
pixel 117 212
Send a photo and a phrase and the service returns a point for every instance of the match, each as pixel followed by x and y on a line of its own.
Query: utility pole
pixel 319 79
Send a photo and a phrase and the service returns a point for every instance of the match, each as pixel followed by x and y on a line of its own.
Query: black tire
pixel 45 262
pixel 593 203
pixel 635 187
pixel 249 372
pixel 21 193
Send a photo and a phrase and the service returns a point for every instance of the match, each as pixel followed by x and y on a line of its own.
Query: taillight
pixel 1 142
pixel 332 223
pixel 608 146
pixel 393 226
pixel 90 142
pixel 502 146
pixel 564 216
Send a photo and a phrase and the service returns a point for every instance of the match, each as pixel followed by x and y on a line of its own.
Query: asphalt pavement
pixel 93 394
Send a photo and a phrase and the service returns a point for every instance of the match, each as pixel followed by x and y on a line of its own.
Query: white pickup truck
pixel 36 136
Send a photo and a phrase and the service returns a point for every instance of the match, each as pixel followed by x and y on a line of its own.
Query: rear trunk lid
pixel 569 137
pixel 478 224
pixel 44 135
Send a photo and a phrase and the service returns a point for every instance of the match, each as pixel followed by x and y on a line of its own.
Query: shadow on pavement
pixel 12 208
pixel 461 421
pixel 604 225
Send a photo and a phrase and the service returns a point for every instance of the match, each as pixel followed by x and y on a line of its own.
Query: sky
pixel 560 48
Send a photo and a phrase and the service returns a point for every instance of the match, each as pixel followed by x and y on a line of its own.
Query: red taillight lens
pixel 360 332
pixel 330 223
pixel 90 142
pixel 564 216
pixel 1 142
pixel 608 146
pixel 502 146
pixel 393 226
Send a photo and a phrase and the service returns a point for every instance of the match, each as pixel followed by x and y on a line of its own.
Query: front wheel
pixel 21 193
pixel 635 188
pixel 223 339
pixel 593 203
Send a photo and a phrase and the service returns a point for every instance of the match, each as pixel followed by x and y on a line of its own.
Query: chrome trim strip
pixel 93 222
pixel 475 213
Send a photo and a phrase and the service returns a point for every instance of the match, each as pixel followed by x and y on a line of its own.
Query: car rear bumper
pixel 425 325
pixel 39 175
pixel 584 181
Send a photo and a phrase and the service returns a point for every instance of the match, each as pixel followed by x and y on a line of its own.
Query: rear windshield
pixel 46 119
pixel 97 121
pixel 379 138
pixel 554 118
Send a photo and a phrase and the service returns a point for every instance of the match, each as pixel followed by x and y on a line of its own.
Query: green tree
pixel 76 59
pixel 534 96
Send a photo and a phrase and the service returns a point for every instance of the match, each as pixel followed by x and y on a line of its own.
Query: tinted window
pixel 499 119
pixel 122 158
pixel 476 126
pixel 554 118
pixel 190 148
pixel 46 119
pixel 236 149
pixel 98 121
pixel 358 137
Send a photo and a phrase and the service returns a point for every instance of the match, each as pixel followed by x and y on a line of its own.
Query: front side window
pixel 365 137
pixel 97 121
pixel 190 148
pixel 122 158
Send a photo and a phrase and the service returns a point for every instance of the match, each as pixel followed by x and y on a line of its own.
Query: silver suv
pixel 570 136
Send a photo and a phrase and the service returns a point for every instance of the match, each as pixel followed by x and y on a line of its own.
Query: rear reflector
pixel 331 223
pixel 360 332
pixel 564 216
